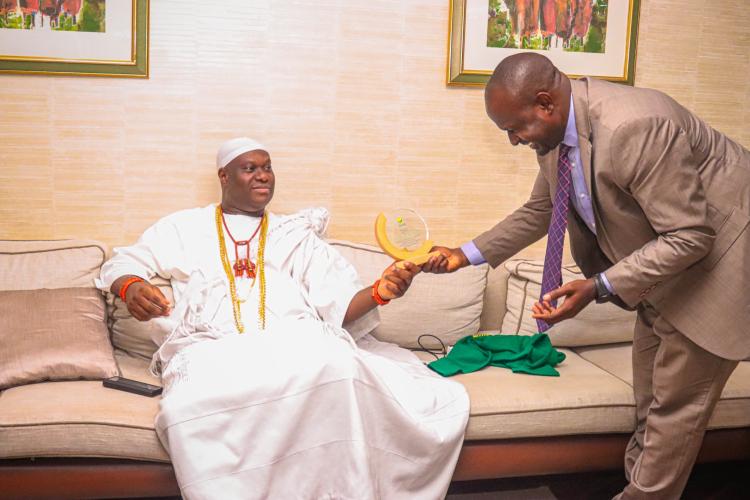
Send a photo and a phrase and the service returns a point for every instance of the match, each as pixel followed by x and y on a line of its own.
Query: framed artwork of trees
pixel 582 37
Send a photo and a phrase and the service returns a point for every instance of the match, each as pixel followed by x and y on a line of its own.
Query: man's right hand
pixel 449 260
pixel 145 301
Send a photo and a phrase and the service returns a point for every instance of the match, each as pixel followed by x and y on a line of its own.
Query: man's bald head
pixel 529 98
pixel 524 75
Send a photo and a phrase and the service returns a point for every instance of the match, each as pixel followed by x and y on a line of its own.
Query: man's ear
pixel 544 101
pixel 222 174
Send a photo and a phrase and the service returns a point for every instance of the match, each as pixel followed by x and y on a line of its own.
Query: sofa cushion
pixel 445 305
pixel 594 325
pixel 33 264
pixel 732 410
pixel 65 336
pixel 451 305
pixel 495 297
pixel 81 419
pixel 584 399
pixel 138 338
pixel 40 283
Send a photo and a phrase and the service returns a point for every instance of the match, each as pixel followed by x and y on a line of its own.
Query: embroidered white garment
pixel 299 410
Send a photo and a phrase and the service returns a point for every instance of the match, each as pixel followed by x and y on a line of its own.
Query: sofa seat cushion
pixel 81 419
pixel 732 410
pixel 584 399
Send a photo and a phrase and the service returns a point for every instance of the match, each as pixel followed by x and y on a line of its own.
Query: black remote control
pixel 129 385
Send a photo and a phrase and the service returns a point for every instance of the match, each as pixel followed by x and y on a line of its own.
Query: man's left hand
pixel 396 280
pixel 577 295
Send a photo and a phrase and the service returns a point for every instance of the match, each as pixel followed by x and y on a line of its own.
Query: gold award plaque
pixel 403 235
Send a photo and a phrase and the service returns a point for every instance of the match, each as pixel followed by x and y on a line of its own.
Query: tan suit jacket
pixel 671 198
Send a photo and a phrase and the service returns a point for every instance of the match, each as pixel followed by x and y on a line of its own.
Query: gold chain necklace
pixel 230 275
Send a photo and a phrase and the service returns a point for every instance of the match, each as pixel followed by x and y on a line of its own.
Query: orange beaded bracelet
pixel 128 282
pixel 376 296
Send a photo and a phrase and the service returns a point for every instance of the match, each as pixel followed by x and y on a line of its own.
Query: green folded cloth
pixel 532 354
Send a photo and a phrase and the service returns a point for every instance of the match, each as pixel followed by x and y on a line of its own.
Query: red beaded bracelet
pixel 128 282
pixel 376 296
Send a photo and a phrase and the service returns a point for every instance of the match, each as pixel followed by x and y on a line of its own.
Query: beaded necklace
pixel 263 226
pixel 242 266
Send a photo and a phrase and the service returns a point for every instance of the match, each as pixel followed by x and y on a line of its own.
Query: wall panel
pixel 348 94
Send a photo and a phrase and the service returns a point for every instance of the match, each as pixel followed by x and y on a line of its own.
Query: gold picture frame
pixel 470 26
pixel 134 44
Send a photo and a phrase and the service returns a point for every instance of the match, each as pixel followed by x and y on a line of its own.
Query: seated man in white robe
pixel 273 386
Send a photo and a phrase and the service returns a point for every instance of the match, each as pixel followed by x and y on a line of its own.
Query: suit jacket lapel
pixel 580 90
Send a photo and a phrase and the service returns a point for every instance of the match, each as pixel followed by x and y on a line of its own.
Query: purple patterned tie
pixel 552 274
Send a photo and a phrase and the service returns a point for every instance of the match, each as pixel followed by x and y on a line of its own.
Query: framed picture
pixel 74 37
pixel 581 37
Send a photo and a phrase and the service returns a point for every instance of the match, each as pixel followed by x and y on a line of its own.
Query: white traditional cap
pixel 232 148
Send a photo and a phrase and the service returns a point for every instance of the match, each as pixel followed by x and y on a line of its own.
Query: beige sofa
pixel 76 438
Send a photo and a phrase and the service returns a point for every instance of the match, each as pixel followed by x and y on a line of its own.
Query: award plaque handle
pixel 418 259
pixel 418 256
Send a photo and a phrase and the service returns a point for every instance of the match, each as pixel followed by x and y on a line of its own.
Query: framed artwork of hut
pixel 74 37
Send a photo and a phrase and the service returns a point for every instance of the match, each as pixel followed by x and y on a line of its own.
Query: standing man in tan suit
pixel 656 204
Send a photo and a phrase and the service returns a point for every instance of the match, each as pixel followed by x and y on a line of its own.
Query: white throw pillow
pixel 596 324
pixel 445 305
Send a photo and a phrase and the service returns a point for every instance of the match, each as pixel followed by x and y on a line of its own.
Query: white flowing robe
pixel 298 410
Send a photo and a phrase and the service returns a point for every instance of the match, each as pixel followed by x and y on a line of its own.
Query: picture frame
pixel 596 38
pixel 81 37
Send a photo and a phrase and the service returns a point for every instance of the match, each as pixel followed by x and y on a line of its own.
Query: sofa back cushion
pixel 495 296
pixel 596 324
pixel 33 264
pixel 448 306
pixel 138 338
pixel 52 318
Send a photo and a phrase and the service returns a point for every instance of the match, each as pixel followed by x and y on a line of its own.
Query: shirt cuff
pixel 364 324
pixel 472 253
pixel 607 284
pixel 111 271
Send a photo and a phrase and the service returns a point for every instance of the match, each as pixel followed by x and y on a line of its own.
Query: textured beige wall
pixel 348 94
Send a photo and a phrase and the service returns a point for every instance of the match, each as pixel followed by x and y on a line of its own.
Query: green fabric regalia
pixel 531 354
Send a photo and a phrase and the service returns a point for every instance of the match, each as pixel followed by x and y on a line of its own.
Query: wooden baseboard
pixel 571 454
pixel 54 478
pixel 539 456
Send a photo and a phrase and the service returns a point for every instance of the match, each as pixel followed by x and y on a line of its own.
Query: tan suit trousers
pixel 676 385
